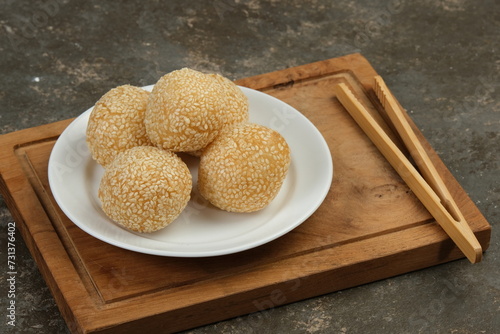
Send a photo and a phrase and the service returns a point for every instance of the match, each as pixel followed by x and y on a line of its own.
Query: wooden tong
pixel 428 186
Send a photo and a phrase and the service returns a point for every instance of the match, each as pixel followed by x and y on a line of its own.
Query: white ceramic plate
pixel 201 230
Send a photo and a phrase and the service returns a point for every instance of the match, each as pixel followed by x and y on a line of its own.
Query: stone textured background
pixel 439 57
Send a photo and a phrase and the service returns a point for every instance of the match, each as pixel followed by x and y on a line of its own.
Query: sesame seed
pixel 235 162
pixel 136 189
pixel 134 134
pixel 116 123
pixel 187 109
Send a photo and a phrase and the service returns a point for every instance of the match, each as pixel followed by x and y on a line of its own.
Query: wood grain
pixel 370 226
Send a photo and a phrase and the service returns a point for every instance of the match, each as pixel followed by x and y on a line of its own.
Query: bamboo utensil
pixel 428 187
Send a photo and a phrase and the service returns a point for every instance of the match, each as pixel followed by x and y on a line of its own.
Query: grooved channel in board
pixel 33 158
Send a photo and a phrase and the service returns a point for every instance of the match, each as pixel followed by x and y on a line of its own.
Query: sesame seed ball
pixel 244 169
pixel 182 113
pixel 187 109
pixel 236 111
pixel 145 188
pixel 116 123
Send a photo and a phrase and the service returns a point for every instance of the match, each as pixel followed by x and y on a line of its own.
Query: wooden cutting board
pixel 369 227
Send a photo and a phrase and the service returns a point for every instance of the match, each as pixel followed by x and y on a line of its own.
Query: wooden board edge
pixel 290 75
pixel 88 313
pixel 41 239
pixel 12 140
pixel 313 277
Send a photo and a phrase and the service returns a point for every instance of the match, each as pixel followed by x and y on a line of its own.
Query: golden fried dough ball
pixel 236 114
pixel 243 169
pixel 236 111
pixel 187 109
pixel 117 123
pixel 145 188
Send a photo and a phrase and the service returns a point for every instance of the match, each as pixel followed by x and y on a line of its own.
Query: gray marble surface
pixel 440 58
